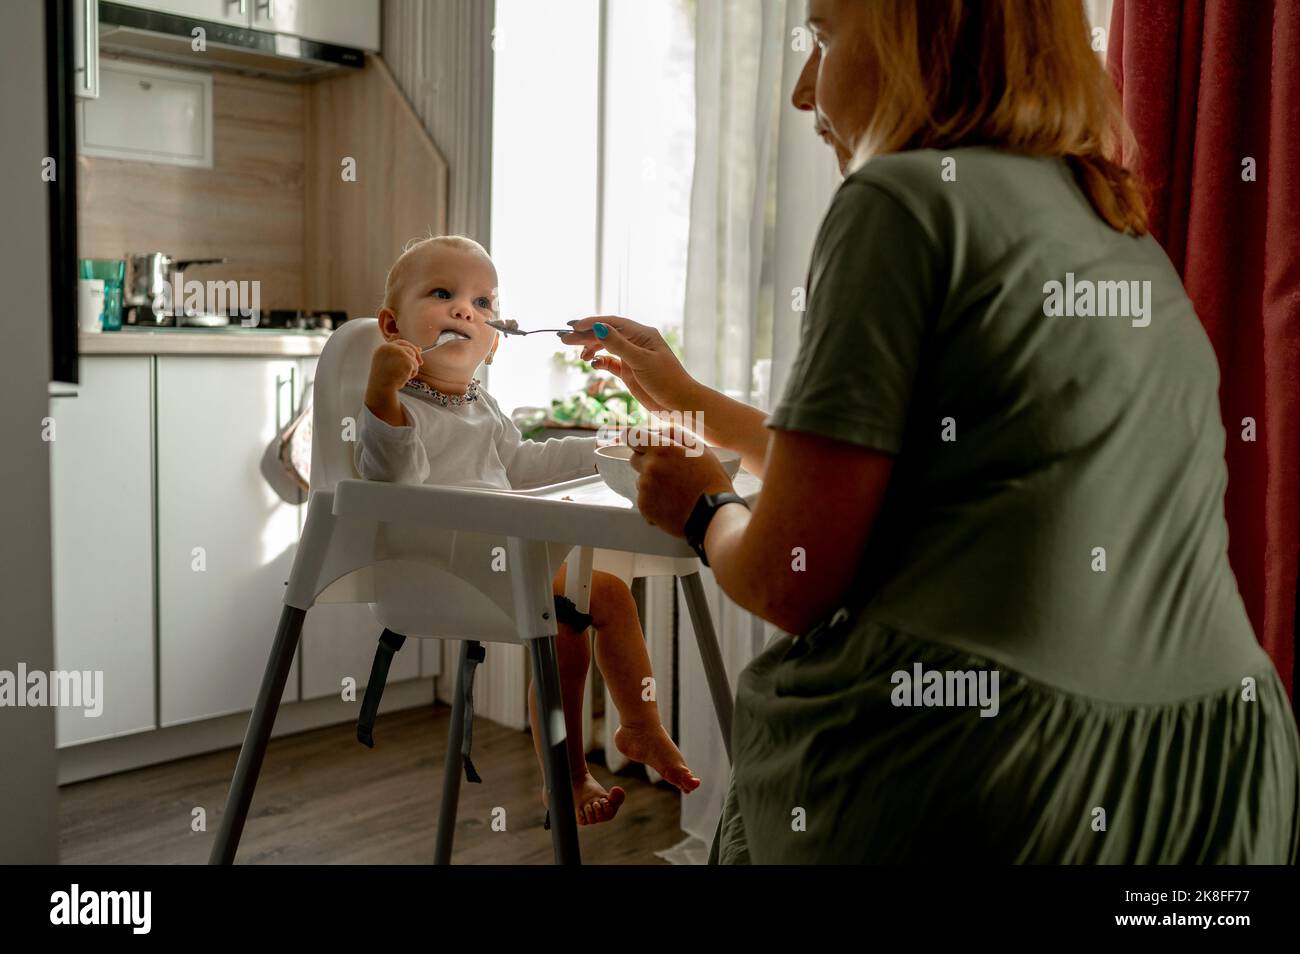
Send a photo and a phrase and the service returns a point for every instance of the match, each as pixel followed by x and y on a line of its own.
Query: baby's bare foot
pixel 590 800
pixel 652 746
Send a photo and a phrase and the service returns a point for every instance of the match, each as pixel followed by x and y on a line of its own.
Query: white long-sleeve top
pixel 472 445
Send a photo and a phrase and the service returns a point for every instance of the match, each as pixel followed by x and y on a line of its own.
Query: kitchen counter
pixel 207 341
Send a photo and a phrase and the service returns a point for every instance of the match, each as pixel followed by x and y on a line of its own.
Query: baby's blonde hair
pixel 462 242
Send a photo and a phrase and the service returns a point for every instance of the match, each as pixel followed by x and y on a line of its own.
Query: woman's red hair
pixel 1015 74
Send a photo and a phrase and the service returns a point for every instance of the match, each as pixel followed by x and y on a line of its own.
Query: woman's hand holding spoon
pixel 509 326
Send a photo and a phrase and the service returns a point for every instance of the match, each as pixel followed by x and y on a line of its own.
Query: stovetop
pixel 273 319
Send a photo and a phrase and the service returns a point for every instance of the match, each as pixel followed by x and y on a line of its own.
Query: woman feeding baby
pixel 426 420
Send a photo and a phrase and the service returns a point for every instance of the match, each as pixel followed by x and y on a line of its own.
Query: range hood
pixel 167 37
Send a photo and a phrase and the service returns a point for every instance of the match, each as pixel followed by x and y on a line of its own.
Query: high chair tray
pixel 593 491
pixel 592 515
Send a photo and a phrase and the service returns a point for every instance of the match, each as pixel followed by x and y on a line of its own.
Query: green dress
pixel 1044 656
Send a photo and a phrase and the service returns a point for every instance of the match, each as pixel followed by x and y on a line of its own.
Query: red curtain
pixel 1212 91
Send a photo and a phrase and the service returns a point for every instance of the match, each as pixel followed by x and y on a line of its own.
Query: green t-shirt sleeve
pixel 870 301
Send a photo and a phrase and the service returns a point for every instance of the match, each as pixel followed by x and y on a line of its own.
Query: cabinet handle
pixel 243 5
pixel 90 48
pixel 85 38
pixel 268 6
pixel 280 382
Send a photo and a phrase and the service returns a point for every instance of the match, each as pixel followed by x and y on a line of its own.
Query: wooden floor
pixel 324 798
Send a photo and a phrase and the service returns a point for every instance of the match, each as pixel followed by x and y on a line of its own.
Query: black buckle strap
pixel 566 611
pixel 389 643
pixel 474 654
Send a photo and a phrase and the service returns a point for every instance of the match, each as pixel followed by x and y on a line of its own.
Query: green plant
pixel 603 401
pixel 566 360
pixel 673 338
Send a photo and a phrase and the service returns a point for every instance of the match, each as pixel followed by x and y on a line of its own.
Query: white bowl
pixel 614 462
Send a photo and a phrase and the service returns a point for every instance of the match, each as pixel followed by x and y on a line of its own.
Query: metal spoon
pixel 512 328
pixel 432 346
pixel 509 329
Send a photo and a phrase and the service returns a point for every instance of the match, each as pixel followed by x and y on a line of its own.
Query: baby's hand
pixel 393 364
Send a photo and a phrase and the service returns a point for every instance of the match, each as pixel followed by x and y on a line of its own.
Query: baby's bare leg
pixel 625 665
pixel 573 659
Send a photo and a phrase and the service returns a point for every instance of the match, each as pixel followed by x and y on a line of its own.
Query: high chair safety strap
pixel 566 611
pixel 389 643
pixel 474 655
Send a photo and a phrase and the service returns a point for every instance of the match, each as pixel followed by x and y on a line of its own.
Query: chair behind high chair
pixel 434 582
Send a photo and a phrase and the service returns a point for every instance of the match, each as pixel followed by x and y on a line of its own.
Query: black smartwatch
pixel 697 524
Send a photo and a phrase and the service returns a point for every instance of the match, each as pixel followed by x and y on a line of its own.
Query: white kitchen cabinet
pixel 353 23
pixel 342 22
pixel 101 480
pixel 148 113
pixel 225 540
pixel 85 57
pixel 339 639
pixel 232 12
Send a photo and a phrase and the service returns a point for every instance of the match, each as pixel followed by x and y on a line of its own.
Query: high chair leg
pixel 550 716
pixel 252 752
pixel 451 771
pixel 714 669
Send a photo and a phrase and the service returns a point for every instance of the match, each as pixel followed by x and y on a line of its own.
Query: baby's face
pixel 443 289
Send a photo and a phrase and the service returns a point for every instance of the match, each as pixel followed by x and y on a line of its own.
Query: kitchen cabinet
pixel 353 23
pixel 231 12
pixel 341 22
pixel 149 113
pixel 101 493
pixel 225 540
pixel 338 642
pixel 85 57
pixel 339 639
pixel 171 551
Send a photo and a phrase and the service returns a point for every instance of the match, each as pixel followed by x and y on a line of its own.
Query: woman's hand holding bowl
pixel 675 468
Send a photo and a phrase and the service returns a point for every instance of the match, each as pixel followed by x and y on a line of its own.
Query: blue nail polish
pixel 601 331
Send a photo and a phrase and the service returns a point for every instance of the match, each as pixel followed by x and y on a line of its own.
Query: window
pixel 593 148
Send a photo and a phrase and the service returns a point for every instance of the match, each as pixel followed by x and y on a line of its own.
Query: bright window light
pixel 590 213
pixel 543 183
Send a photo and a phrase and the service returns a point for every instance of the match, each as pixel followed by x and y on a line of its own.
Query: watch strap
pixel 697 524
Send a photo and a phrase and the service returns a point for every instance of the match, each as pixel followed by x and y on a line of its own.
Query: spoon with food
pixel 443 338
pixel 506 326
pixel 511 327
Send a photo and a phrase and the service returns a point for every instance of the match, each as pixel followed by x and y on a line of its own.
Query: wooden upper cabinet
pixel 373 181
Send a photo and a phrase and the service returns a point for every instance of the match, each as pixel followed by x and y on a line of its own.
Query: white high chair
pixel 422 557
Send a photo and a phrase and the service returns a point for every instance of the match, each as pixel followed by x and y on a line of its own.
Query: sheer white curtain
pixel 762 181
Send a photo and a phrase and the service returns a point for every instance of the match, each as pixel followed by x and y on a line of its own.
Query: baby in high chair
pixel 427 420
